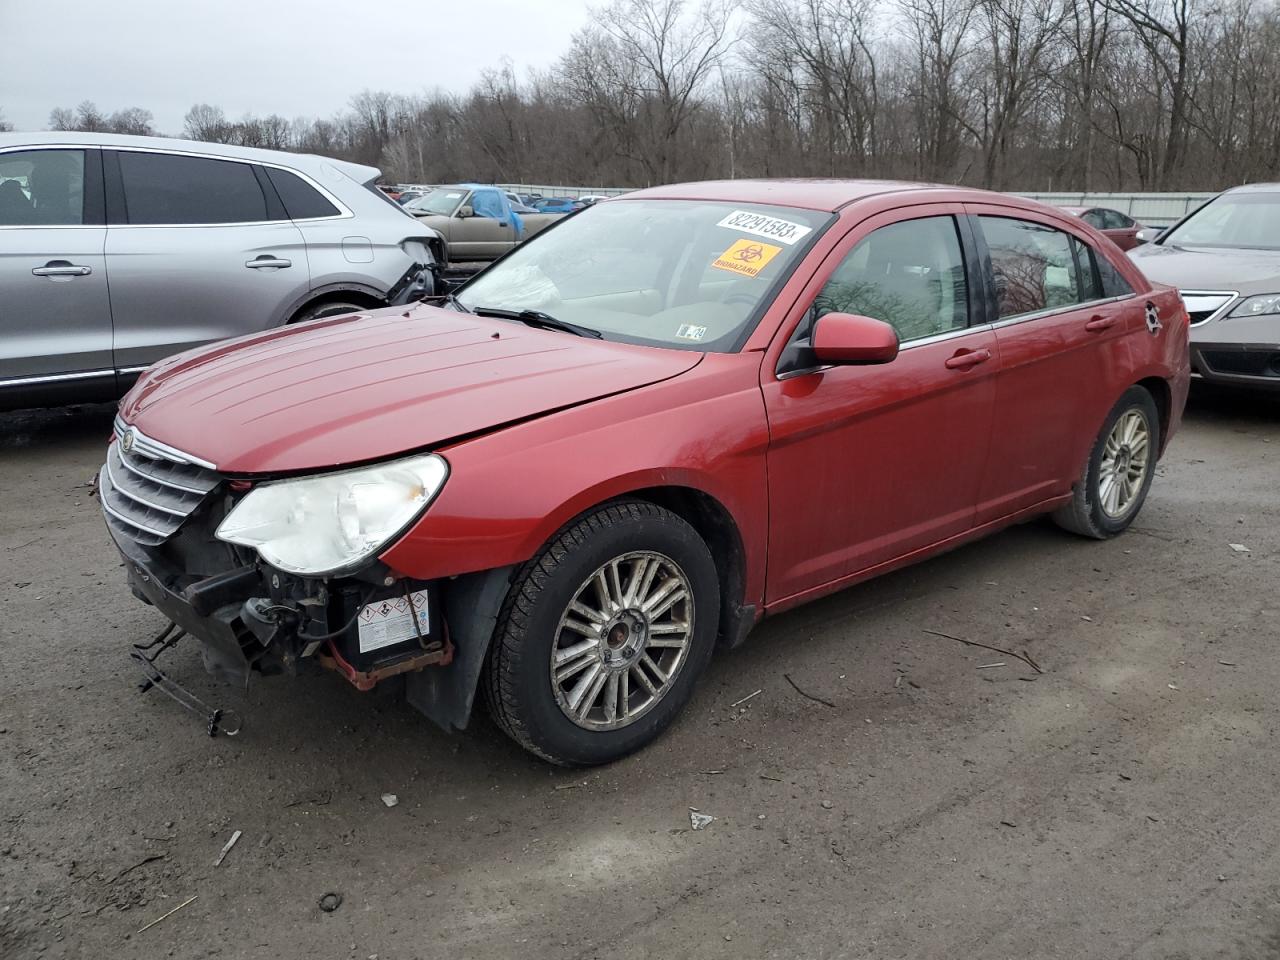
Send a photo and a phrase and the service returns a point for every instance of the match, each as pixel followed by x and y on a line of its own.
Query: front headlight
pixel 1257 306
pixel 320 525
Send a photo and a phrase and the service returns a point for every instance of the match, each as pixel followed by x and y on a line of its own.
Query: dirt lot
pixel 1122 804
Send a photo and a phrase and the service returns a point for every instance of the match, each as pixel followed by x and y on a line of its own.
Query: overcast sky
pixel 291 57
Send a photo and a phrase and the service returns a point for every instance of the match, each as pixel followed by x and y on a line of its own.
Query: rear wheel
pixel 1118 473
pixel 603 635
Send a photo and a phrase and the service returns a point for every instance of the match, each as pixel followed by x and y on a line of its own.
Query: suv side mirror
pixel 847 338
pixel 1146 234
pixel 465 211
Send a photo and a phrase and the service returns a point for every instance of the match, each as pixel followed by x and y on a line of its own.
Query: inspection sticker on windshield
pixel 784 231
pixel 687 331
pixel 747 257
pixel 390 621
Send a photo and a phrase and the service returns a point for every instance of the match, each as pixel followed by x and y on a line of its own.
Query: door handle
pixel 267 262
pixel 1100 322
pixel 61 268
pixel 965 359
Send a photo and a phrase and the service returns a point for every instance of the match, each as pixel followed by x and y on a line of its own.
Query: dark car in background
pixel 1225 259
pixel 1120 228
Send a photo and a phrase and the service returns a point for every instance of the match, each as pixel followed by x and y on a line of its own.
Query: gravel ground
pixel 1122 804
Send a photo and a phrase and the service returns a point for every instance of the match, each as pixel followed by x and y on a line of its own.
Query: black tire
pixel 517 675
pixel 327 308
pixel 1085 513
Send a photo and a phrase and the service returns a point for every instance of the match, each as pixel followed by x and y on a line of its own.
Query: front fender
pixel 509 491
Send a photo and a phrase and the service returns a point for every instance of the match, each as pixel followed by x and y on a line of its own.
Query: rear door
pixel 55 317
pixel 199 248
pixel 1062 349
pixel 870 463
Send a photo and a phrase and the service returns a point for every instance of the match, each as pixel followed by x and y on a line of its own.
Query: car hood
pixel 1205 268
pixel 365 387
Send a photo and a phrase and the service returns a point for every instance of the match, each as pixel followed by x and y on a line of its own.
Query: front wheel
pixel 603 635
pixel 1118 473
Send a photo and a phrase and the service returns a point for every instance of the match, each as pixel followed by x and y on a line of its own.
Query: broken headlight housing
pixel 333 522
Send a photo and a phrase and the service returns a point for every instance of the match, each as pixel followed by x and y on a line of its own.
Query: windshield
pixel 440 202
pixel 673 273
pixel 1231 220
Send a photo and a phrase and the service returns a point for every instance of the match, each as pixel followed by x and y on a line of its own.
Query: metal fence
pixel 1153 209
pixel 563 191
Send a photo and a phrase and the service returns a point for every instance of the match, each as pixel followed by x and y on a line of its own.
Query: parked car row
pixel 564 482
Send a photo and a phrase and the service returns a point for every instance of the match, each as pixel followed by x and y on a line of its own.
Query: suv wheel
pixel 603 635
pixel 327 308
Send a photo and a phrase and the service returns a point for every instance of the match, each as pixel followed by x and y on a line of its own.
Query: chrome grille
pixel 148 489
pixel 1205 305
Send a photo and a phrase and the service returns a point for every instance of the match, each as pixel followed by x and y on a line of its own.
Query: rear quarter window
pixel 301 200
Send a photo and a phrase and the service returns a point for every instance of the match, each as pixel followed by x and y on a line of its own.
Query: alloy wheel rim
pixel 622 640
pixel 1125 458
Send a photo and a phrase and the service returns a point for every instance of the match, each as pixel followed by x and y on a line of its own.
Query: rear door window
pixel 301 200
pixel 164 188
pixel 42 188
pixel 1033 267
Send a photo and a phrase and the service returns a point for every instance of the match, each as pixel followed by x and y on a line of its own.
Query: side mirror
pixel 465 211
pixel 1146 234
pixel 847 338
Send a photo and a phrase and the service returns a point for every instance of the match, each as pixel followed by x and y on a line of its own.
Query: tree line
pixel 1005 94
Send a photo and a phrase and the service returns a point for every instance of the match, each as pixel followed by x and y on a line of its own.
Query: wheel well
pixel 716 526
pixel 1159 390
pixel 357 297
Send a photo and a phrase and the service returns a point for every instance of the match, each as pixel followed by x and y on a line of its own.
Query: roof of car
pixel 1077 210
pixel 1255 188
pixel 303 161
pixel 829 195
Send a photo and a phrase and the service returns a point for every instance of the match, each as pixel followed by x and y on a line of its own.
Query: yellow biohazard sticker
pixel 747 257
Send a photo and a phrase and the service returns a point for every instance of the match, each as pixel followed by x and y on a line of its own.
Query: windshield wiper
pixel 536 318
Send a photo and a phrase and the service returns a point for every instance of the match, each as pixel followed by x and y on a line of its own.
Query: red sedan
pixel 620 447
pixel 1120 228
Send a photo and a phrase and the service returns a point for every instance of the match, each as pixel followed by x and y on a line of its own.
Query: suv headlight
pixel 1257 306
pixel 332 522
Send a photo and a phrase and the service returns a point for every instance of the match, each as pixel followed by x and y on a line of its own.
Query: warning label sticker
pixel 747 257
pixel 390 621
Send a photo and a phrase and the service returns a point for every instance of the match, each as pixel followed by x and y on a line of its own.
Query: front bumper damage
pixel 162 508
pixel 252 619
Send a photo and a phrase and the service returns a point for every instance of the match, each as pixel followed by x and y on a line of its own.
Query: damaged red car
pixel 565 485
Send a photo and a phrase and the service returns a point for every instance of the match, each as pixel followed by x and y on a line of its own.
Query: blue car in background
pixel 557 205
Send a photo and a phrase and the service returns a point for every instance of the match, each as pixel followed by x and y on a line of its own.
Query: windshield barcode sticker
pixel 784 231
pixel 390 621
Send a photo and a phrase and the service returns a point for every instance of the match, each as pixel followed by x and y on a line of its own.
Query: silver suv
pixel 118 251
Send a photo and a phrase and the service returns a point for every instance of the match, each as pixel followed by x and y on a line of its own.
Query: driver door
pixel 485 235
pixel 869 464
